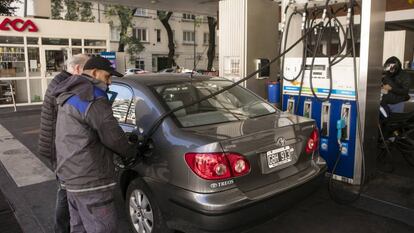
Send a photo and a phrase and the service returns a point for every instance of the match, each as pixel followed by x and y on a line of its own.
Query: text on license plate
pixel 279 156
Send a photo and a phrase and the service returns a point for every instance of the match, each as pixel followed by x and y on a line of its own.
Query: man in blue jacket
pixel 87 136
pixel 47 136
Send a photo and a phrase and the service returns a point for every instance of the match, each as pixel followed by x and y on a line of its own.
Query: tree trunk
pixel 123 32
pixel 211 53
pixel 171 45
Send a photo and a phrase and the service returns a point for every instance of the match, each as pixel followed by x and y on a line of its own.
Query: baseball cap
pixel 101 63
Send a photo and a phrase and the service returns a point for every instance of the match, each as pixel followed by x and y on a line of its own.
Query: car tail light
pixel 217 166
pixel 313 142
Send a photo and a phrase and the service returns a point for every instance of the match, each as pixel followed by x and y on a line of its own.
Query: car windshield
pixel 232 105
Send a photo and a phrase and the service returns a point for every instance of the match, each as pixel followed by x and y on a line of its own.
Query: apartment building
pixel 191 34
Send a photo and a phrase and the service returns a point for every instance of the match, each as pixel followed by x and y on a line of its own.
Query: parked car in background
pixel 220 165
pixel 167 70
pixel 135 71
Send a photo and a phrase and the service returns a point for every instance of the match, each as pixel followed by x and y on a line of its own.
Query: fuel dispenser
pixel 341 107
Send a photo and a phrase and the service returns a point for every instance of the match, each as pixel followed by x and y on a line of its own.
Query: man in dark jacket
pixel 87 136
pixel 395 85
pixel 47 136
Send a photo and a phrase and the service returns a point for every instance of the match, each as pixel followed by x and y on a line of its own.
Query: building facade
pixel 190 33
pixel 33 51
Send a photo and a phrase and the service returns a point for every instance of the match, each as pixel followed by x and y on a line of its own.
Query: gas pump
pixel 324 87
pixel 340 106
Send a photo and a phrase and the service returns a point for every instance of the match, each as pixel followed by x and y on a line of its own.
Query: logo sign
pixel 111 56
pixel 280 142
pixel 19 25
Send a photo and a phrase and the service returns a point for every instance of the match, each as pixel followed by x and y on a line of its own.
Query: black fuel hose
pixel 332 193
pixel 159 121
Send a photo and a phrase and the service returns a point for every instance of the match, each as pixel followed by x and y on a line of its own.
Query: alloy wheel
pixel 140 211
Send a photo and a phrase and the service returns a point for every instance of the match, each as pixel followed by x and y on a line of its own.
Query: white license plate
pixel 279 156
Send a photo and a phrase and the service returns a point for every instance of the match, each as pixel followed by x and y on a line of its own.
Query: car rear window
pixel 232 105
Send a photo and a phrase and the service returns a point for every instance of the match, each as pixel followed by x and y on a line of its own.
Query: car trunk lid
pixel 263 141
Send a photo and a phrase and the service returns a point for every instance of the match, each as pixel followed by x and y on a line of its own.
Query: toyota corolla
pixel 219 165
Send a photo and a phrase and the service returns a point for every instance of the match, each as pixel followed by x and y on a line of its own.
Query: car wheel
pixel 143 212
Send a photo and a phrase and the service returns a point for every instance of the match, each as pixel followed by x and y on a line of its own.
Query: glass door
pixel 55 61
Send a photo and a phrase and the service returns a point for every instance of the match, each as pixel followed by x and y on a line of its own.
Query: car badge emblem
pixel 280 142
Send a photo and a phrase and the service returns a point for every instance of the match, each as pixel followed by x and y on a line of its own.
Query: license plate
pixel 279 156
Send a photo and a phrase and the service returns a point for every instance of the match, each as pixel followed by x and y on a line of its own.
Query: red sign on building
pixel 19 25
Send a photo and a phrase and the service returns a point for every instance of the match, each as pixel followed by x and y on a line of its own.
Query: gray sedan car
pixel 220 165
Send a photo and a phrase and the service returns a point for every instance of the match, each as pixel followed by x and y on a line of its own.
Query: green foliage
pixel 57 8
pixel 134 48
pixel 72 10
pixel 6 8
pixel 125 22
pixel 86 12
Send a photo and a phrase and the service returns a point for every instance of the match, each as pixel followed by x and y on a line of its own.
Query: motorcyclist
pixel 395 85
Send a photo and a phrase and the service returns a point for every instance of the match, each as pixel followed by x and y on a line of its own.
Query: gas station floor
pixel 33 204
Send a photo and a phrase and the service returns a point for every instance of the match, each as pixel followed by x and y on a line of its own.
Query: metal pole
pixel 12 94
pixel 370 71
pixel 194 65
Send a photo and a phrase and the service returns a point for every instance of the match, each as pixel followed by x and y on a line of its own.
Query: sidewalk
pixel 21 109
pixel 8 222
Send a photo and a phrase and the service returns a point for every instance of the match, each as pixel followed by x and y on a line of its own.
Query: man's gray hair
pixel 78 59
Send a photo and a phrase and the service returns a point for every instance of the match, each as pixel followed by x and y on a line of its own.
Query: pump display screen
pixel 338 83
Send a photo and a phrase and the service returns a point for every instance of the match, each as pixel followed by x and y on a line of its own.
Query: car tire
pixel 144 215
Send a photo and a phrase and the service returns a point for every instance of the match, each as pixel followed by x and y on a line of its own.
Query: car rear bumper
pixel 233 210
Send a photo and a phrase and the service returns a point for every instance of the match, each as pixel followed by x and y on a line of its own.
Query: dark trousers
pixel 92 212
pixel 62 219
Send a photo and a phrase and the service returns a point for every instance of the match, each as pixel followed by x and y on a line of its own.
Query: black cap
pixel 101 63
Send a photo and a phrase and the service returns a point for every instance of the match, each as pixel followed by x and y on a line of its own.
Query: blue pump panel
pixel 329 148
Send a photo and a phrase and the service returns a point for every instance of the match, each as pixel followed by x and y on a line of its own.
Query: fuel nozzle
pixel 340 124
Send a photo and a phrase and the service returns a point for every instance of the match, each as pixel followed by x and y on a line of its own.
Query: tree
pixel 6 8
pixel 134 48
pixel 86 12
pixel 211 53
pixel 125 17
pixel 164 18
pixel 57 8
pixel 72 10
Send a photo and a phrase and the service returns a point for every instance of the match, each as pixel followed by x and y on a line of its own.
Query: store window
pixel 140 64
pixel 10 88
pixel 140 34
pixel 188 37
pixel 95 43
pixel 34 62
pixel 55 41
pixel 36 95
pixel 12 62
pixel 32 40
pixel 76 42
pixel 5 92
pixel 55 61
pixel 11 40
pixel 122 102
pixel 141 12
pixel 76 51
